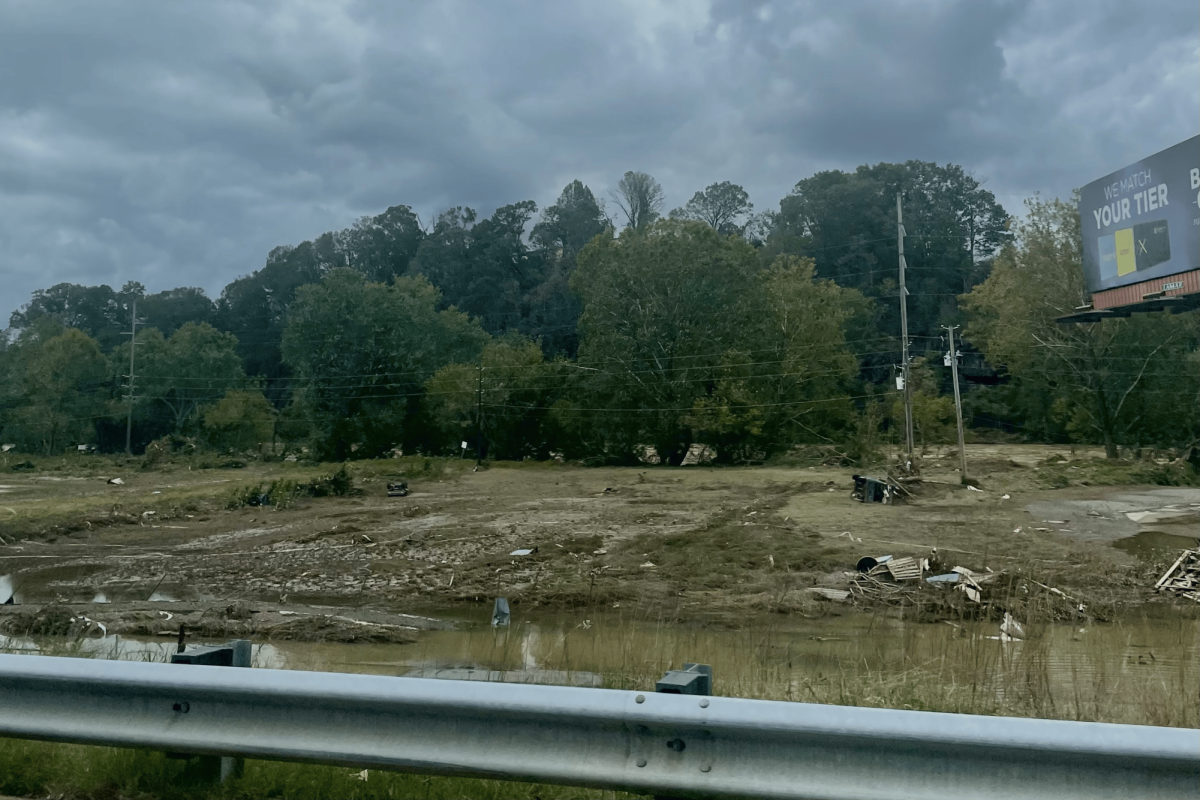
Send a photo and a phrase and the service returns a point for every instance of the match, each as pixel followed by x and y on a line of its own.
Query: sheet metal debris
pixel 873 490
pixel 1183 578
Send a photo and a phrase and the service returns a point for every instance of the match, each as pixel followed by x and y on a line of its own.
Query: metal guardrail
pixel 675 744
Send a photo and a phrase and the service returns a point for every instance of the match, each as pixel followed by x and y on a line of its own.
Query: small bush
pixel 283 492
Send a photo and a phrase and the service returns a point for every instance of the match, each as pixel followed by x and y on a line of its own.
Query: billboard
pixel 1143 221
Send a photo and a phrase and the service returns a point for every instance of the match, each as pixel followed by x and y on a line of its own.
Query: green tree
pixel 196 365
pixel 661 307
pixel 570 223
pixel 721 205
pixel 790 382
pixel 98 311
pixel 361 352
pixel 483 268
pixel 170 310
pixel 505 395
pixel 846 222
pixel 239 421
pixel 1116 381
pixel 55 388
pixel 565 227
pixel 381 247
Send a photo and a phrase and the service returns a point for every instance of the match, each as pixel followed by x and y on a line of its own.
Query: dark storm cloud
pixel 175 143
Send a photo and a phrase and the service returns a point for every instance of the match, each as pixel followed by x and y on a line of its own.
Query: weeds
pixel 283 492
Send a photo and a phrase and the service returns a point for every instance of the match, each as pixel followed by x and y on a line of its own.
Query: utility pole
pixel 908 413
pixel 962 448
pixel 479 417
pixel 132 347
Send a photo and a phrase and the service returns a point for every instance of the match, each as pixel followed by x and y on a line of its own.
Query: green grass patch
pixel 76 772
pixel 1057 473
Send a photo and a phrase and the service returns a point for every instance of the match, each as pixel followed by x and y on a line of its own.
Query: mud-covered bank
pixel 687 543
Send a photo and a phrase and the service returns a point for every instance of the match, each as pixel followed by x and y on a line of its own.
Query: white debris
pixel 116 481
pixel 974 488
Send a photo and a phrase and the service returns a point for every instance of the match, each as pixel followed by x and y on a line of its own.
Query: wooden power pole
pixel 132 347
pixel 908 413
pixel 962 447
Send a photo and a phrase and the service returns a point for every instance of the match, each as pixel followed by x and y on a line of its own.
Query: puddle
pixel 1114 671
pixel 1151 545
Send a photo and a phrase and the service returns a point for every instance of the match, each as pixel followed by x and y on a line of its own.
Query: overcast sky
pixel 176 143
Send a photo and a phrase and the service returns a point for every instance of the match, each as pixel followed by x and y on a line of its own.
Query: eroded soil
pixel 693 542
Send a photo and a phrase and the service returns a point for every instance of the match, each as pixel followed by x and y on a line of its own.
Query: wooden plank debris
pixel 904 569
pixel 1183 578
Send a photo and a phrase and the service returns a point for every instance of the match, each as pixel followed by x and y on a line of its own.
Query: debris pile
pixel 941 593
pixel 1183 578
pixel 875 490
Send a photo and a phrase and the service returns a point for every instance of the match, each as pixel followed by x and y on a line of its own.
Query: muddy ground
pixel 690 543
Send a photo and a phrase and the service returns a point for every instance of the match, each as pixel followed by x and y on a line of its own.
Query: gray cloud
pixel 176 143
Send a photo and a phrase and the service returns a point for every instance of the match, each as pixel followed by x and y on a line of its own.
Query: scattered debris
pixel 1011 628
pixel 973 488
pixel 873 490
pixel 600 552
pixel 524 551
pixel 649 565
pixel 1183 577
pixel 904 569
pixel 397 489
pixel 362 776
pixel 500 612
pixel 23 466
pixel 868 563
pixel 1005 497
pixel 836 595
pixel 115 482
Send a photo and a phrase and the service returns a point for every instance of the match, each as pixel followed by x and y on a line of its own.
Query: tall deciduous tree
pixel 484 268
pixel 98 311
pixel 1118 382
pixel 640 199
pixel 361 352
pixel 846 222
pixel 55 388
pixel 660 309
pixel 565 227
pixel 172 309
pixel 196 365
pixel 503 396
pixel 725 206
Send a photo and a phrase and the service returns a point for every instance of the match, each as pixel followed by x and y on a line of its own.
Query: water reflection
pixel 1133 671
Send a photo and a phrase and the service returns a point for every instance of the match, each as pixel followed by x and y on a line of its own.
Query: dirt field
pixel 688 543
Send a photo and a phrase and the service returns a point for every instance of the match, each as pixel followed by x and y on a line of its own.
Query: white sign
pixel 464 445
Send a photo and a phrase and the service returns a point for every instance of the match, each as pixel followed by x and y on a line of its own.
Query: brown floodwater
pixel 1143 670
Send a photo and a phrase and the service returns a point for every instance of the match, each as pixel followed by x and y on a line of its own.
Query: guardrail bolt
pixel 211 769
pixel 677 745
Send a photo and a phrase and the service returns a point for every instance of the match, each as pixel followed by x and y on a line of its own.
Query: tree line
pixel 607 336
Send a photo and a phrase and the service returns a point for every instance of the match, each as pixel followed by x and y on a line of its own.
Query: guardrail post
pixel 211 769
pixel 692 679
